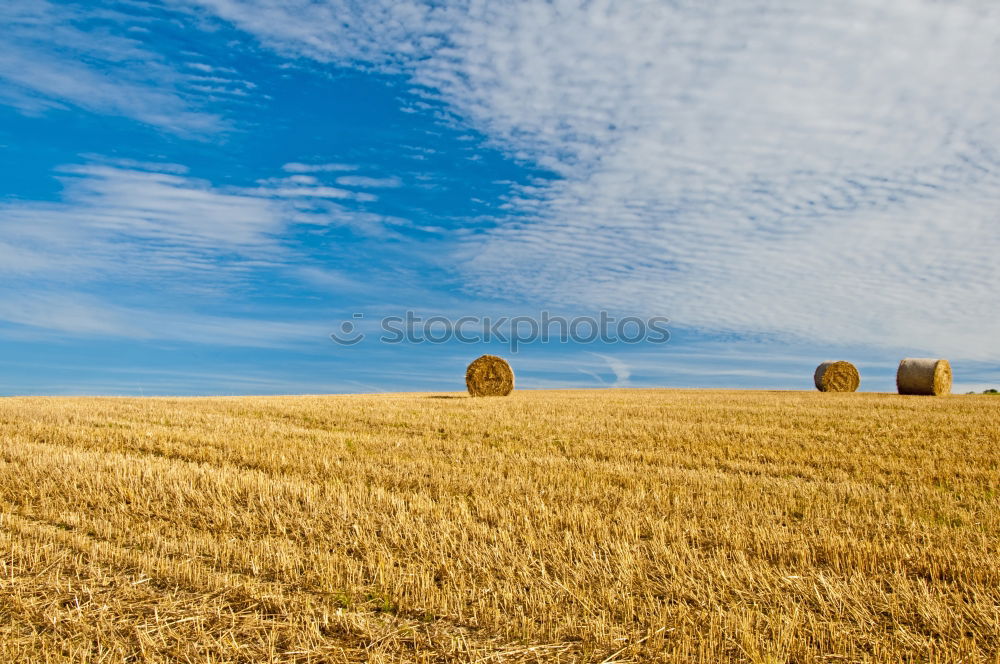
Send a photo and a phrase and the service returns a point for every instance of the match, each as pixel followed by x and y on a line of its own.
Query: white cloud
pixel 125 217
pixel 369 182
pixel 296 167
pixel 821 171
pixel 119 220
pixel 160 247
pixel 48 61
pixel 316 192
pixel 209 69
pixel 618 367
pixel 80 314
pixel 302 179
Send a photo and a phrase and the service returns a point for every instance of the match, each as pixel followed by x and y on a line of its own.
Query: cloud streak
pixel 132 250
pixel 59 56
pixel 131 218
pixel 618 367
pixel 116 220
pixel 755 166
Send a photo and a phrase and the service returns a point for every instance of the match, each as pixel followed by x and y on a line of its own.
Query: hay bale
pixel 922 375
pixel 489 376
pixel 837 377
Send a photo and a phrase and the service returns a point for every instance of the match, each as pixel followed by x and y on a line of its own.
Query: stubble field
pixel 578 526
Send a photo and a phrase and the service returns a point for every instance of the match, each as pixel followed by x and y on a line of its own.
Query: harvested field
pixel 578 526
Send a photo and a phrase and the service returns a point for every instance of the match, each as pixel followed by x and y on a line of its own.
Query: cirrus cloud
pixel 758 166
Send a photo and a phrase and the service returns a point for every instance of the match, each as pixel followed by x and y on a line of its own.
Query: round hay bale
pixel 489 376
pixel 923 375
pixel 837 377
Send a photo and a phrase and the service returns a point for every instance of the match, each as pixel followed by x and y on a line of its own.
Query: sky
pixel 194 195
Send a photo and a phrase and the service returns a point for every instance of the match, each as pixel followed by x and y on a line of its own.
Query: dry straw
pixel 489 376
pixel 837 377
pixel 921 375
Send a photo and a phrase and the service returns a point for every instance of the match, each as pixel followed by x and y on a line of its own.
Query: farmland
pixel 578 526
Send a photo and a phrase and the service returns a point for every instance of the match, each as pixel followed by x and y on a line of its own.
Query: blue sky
pixel 195 194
